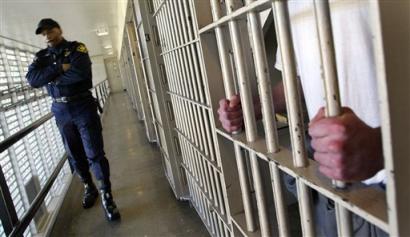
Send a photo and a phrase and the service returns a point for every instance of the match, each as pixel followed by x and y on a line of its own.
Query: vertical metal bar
pixel 175 81
pixel 264 85
pixel 260 195
pixel 293 104
pixel 393 72
pixel 244 83
pixel 101 93
pixel 249 118
pixel 205 114
pixel 180 71
pixel 290 82
pixel 333 107
pixel 305 207
pixel 202 170
pixel 194 57
pixel 219 192
pixel 223 52
pixel 195 166
pixel 192 86
pixel 229 92
pixel 279 200
pixel 327 50
pixel 206 138
pixel 8 215
pixel 212 183
pixel 220 230
pixel 212 225
pixel 188 84
pixel 265 91
pixel 192 33
pixel 245 192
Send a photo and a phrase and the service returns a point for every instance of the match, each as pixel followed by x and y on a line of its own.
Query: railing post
pixel 8 215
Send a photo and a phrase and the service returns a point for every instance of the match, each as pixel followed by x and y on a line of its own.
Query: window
pixel 32 159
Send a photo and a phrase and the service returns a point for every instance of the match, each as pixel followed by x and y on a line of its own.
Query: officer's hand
pixel 41 53
pixel 66 66
pixel 43 58
pixel 230 113
pixel 345 147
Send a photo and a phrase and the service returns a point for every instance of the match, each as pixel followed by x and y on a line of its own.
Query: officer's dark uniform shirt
pixel 77 79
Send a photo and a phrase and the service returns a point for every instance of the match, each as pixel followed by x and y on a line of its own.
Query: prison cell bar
pixel 199 94
pixel 293 104
pixel 248 115
pixel 213 173
pixel 181 55
pixel 139 82
pixel 374 212
pixel 229 92
pixel 165 43
pixel 333 107
pixel 268 113
pixel 205 168
pixel 203 171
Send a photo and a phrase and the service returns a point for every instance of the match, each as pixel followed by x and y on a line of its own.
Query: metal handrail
pixel 8 142
pixel 21 226
pixel 10 217
pixel 13 226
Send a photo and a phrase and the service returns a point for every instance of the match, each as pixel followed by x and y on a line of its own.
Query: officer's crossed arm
pixel 76 66
pixel 42 71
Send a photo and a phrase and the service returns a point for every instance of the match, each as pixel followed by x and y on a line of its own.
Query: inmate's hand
pixel 345 147
pixel 66 66
pixel 230 113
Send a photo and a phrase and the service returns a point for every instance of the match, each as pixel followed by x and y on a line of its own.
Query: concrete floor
pixel 143 195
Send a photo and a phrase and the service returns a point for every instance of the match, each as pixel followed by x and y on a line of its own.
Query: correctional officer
pixel 64 67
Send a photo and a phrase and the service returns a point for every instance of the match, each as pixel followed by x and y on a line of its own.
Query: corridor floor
pixel 143 195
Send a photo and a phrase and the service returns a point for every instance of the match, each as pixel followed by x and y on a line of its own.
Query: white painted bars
pixel 229 92
pixel 293 104
pixel 333 107
pixel 248 116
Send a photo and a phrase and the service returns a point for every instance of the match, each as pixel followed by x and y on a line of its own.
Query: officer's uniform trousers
pixel 81 130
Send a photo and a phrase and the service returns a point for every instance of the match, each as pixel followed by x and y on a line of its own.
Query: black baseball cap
pixel 46 23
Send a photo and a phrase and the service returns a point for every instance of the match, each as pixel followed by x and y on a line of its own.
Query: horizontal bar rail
pixel 18 41
pixel 8 142
pixel 237 14
pixel 375 212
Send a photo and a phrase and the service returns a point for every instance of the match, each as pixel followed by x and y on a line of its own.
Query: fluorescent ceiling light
pixel 102 31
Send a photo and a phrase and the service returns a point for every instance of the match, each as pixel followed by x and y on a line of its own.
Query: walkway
pixel 145 199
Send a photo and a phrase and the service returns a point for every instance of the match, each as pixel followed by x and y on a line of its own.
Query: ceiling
pixel 79 20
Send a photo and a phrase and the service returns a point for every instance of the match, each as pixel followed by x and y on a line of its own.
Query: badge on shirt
pixel 66 53
pixel 82 49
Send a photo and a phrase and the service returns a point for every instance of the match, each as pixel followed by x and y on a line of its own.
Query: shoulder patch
pixel 81 48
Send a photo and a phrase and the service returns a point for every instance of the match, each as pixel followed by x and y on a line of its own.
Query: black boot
pixel 90 195
pixel 110 209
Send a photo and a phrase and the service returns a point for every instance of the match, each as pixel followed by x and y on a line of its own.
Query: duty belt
pixel 66 99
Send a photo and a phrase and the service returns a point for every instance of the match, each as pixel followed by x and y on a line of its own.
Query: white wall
pixel 113 74
pixel 99 72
